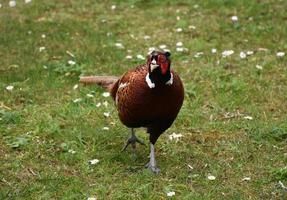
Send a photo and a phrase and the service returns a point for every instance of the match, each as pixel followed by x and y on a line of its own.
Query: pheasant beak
pixel 153 65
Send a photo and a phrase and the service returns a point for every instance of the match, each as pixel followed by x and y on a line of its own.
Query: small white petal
pixel 129 57
pixel 175 136
pixel 42 49
pixel 211 177
pixel 140 57
pixel 162 46
pixel 12 3
pixel 213 50
pixel 106 128
pixel 146 37
pixel 77 100
pixel 196 6
pixel 119 45
pixel 179 44
pixel 248 117
pixel 28 1
pixel 192 27
pixel 249 53
pixel 198 54
pixel 92 198
pixel 45 67
pixel 94 161
pixel 43 36
pixel 0 5
pixel 242 55
pixel 227 53
pixel 113 7
pixel 98 105
pixel 72 151
pixel 259 67
pixel 190 167
pixel 280 54
pixel 106 94
pixel 106 114
pixel 178 30
pixel 90 95
pixel 71 62
pixel 10 87
pixel 170 194
pixel 75 87
pixel 234 18
pixel 246 179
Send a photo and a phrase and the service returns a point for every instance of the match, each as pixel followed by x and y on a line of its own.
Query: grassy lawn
pixel 233 121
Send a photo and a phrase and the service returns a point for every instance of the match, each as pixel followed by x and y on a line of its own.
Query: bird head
pixel 159 62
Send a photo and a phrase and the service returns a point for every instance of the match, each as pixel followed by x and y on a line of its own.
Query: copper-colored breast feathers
pixel 140 106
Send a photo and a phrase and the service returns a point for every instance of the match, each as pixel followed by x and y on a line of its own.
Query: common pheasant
pixel 149 96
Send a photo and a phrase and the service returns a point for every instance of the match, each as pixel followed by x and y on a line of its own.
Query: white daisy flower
pixel 175 136
pixel 92 198
pixel 170 194
pixel 211 177
pixel 259 67
pixel 140 57
pixel 213 50
pixel 119 45
pixel 10 88
pixel 280 54
pixel 106 94
pixel 234 18
pixel 75 87
pixel 248 117
pixel 129 57
pixel 106 114
pixel 41 49
pixel 192 27
pixel 12 3
pixel 246 179
pixel 105 128
pixel 198 54
pixel 71 62
pixel 94 161
pixel 98 104
pixel 77 100
pixel 242 55
pixel 146 37
pixel 179 44
pixel 178 30
pixel 227 53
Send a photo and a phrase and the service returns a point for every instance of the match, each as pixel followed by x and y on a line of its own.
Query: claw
pixel 154 169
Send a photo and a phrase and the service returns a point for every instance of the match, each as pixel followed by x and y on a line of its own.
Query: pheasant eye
pixel 161 58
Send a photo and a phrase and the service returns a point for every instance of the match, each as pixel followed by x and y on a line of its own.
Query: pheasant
pixel 149 96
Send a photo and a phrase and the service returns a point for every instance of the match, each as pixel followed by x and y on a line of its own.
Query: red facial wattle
pixel 164 67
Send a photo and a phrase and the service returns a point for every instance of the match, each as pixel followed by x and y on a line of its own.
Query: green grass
pixel 40 124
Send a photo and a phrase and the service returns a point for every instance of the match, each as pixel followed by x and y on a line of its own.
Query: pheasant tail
pixel 106 82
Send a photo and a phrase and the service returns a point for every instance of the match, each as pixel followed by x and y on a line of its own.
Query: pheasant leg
pixel 133 140
pixel 152 163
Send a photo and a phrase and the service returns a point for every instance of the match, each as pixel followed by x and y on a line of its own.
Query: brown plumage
pixel 150 96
